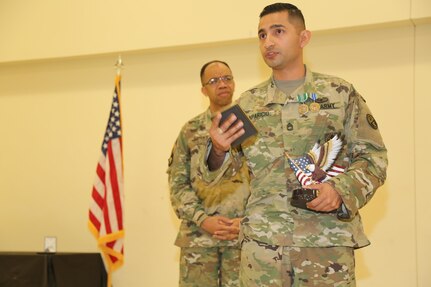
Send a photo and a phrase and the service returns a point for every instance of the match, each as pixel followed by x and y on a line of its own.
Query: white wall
pixel 59 28
pixel 422 138
pixel 53 114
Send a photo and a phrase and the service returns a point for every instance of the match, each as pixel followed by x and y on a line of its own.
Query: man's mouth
pixel 270 54
pixel 224 94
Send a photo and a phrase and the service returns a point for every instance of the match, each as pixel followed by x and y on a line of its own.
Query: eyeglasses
pixel 214 81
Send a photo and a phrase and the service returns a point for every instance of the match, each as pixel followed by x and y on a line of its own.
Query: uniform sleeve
pixel 231 164
pixel 367 156
pixel 184 200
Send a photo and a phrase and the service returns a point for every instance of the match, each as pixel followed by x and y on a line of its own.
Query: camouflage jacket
pixel 191 197
pixel 281 128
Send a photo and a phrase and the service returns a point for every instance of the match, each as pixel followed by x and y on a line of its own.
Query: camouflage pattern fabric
pixel 267 265
pixel 269 218
pixel 191 197
pixel 206 267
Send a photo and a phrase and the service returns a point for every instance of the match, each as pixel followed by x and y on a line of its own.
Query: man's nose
pixel 268 42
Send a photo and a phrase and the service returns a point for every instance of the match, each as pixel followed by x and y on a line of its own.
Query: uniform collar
pixel 276 96
pixel 208 114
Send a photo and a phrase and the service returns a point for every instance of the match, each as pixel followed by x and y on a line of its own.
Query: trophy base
pixel 301 196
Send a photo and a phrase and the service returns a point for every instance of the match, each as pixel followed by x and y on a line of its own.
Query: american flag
pixel 303 174
pixel 299 166
pixel 107 198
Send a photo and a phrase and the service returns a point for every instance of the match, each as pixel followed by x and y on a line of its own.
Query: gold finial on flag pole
pixel 119 65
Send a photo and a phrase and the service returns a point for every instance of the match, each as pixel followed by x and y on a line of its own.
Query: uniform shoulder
pixel 257 90
pixel 330 79
pixel 195 122
pixel 253 95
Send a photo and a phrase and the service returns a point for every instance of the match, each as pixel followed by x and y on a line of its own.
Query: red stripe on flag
pixel 97 198
pixel 94 221
pixel 100 173
pixel 115 187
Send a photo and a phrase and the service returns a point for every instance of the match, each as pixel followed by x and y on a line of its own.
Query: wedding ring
pixel 220 131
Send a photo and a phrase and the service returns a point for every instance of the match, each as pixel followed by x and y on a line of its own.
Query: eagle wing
pixel 325 154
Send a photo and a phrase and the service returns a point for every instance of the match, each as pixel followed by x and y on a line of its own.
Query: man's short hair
pixel 295 15
pixel 204 67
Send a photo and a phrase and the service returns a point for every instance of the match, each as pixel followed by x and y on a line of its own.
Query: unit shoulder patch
pixel 372 122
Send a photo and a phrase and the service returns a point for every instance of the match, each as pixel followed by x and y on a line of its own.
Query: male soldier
pixel 210 215
pixel 284 245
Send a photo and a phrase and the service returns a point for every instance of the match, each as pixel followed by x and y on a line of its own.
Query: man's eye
pixel 261 36
pixel 227 78
pixel 279 31
pixel 212 81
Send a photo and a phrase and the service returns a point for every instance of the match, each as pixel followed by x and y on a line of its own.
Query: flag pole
pixel 119 65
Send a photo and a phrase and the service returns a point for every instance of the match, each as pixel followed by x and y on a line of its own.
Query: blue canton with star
pixel 300 163
pixel 113 129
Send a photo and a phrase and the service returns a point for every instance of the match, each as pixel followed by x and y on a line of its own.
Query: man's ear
pixel 204 91
pixel 305 37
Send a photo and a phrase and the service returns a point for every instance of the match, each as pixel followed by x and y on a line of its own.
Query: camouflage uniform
pixel 270 220
pixel 202 256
